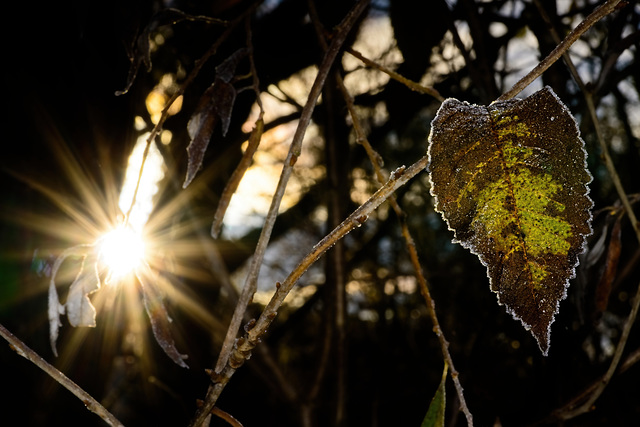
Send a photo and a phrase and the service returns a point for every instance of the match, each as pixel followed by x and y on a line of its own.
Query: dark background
pixel 63 62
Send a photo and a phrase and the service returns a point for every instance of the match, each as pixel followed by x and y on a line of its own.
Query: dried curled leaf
pixel 158 316
pixel 80 311
pixel 55 311
pixel 215 106
pixel 78 307
pixel 510 179
pixel 141 51
pixel 603 290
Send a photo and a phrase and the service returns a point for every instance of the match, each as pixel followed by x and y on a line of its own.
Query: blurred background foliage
pixel 62 66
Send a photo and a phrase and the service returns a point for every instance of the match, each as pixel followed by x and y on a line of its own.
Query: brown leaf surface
pixel 603 291
pixel 158 316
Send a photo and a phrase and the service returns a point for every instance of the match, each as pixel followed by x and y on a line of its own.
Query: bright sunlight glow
pixel 122 251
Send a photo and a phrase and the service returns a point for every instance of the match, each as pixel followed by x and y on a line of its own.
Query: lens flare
pixel 122 251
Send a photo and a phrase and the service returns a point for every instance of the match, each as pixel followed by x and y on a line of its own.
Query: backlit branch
pixel 225 360
pixel 92 404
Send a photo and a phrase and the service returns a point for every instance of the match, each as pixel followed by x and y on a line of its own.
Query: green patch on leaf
pixel 511 181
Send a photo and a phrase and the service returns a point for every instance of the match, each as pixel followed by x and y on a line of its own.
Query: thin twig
pixel 343 29
pixel 337 174
pixel 584 401
pixel 295 149
pixel 252 145
pixel 230 419
pixel 562 47
pixel 608 161
pixel 631 360
pixel 92 404
pixel 417 87
pixel 376 161
pixel 237 175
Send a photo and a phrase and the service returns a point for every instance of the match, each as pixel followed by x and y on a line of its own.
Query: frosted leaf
pixel 512 185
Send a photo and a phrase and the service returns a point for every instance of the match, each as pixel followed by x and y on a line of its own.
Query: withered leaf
pixel 158 316
pixel 54 312
pixel 140 52
pixel 80 311
pixel 78 307
pixel 215 105
pixel 510 179
pixel 610 268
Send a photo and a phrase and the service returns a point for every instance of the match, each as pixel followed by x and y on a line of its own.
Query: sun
pixel 121 251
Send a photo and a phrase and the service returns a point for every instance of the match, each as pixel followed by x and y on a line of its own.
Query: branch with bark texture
pixel 92 404
pixel 225 360
pixel 244 346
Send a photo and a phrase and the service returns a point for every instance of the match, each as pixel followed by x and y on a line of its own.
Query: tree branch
pixel 416 87
pixel 245 345
pixel 92 404
pixel 376 161
pixel 561 48
pixel 295 149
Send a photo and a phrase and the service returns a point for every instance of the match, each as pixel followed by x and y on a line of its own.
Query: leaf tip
pixel 187 180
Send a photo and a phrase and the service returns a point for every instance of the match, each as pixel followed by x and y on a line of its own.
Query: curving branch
pixel 414 86
pixel 376 161
pixel 413 253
